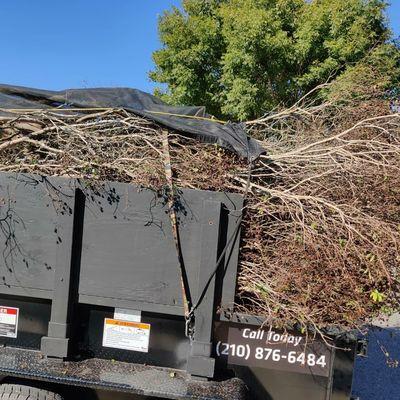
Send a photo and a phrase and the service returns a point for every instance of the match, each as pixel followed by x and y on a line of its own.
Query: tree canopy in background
pixel 243 58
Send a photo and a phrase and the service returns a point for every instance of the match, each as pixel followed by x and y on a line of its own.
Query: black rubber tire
pixel 23 392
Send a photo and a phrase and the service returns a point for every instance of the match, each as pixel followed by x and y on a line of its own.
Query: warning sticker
pixel 9 321
pixel 126 335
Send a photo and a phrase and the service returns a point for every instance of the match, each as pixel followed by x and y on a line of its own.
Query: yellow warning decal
pixel 126 335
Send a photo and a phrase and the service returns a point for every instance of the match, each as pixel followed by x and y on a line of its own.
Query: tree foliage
pixel 242 58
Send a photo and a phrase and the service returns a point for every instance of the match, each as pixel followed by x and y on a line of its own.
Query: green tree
pixel 242 58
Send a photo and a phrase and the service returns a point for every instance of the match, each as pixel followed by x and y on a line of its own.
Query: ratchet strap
pixel 189 307
pixel 172 198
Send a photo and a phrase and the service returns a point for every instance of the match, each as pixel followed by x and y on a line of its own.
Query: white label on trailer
pixel 127 315
pixel 9 321
pixel 126 335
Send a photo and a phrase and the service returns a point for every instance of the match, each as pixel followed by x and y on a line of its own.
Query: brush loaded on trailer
pixel 101 291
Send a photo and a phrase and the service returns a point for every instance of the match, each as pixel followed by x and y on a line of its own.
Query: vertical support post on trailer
pixel 200 362
pixel 69 229
pixel 329 387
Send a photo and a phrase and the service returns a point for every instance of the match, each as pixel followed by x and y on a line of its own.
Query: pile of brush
pixel 321 230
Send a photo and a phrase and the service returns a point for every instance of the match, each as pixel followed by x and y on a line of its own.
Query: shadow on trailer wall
pixel 91 297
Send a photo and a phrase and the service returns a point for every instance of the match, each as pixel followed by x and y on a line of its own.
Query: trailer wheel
pixel 23 392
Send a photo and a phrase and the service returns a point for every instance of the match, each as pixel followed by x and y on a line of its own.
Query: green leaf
pixel 376 296
pixel 261 288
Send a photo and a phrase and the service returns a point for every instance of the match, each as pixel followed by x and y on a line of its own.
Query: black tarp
pixel 231 136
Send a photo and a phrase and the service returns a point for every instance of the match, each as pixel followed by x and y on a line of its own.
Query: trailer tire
pixel 23 392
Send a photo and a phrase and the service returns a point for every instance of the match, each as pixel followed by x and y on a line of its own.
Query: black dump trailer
pixel 91 301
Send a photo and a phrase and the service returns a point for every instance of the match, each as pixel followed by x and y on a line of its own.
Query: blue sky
pixel 86 43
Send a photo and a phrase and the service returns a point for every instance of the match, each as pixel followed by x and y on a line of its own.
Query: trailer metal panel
pixel 76 251
pixel 128 249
